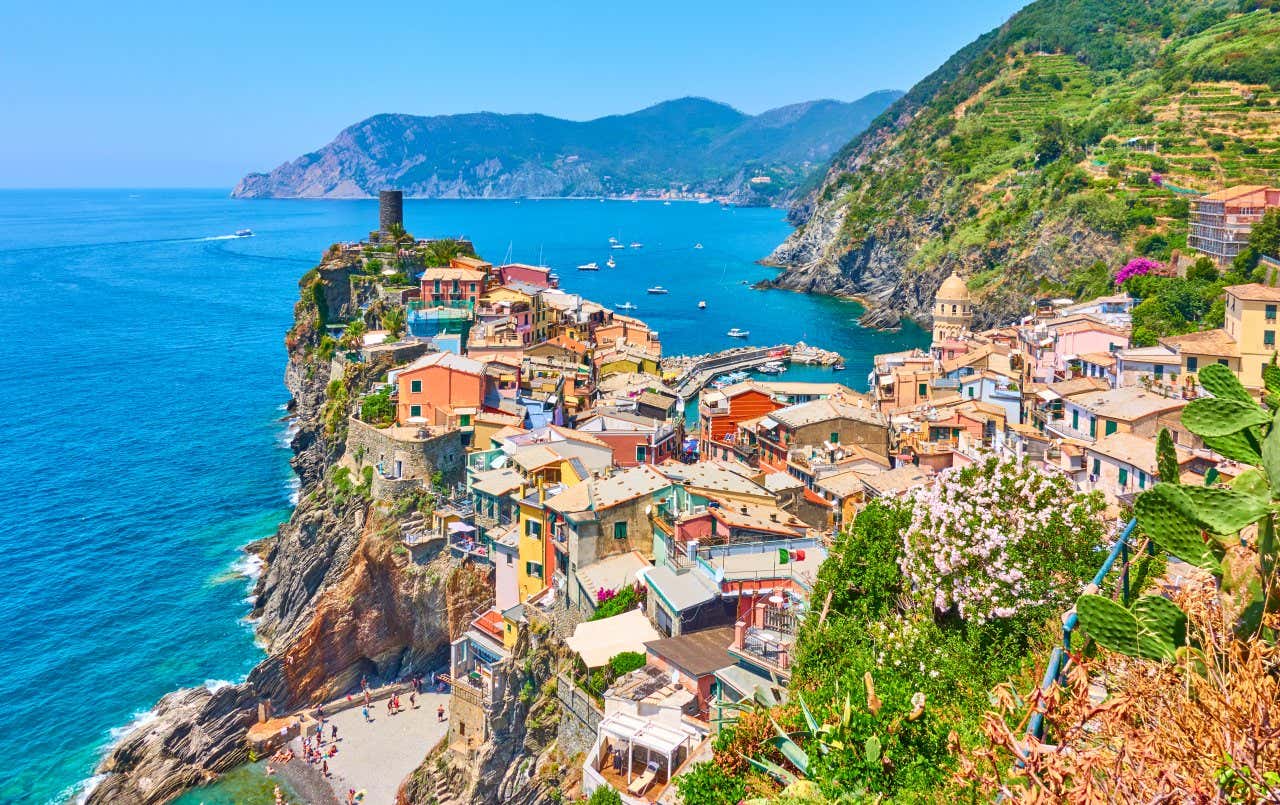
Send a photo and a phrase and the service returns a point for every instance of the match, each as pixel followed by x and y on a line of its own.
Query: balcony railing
pixel 1060 658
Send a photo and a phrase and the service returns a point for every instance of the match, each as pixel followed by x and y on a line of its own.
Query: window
pixel 1097 467
pixel 1142 480
pixel 972 391
pixel 1075 419
pixel 1093 427
pixel 620 530
pixel 1269 338
pixel 923 390
pixel 1109 428
pixel 835 437
pixel 415 386
pixel 1222 361
pixel 415 410
pixel 1193 363
pixel 464 420
pixel 1159 373
pixel 532 528
pixel 511 560
pixel 533 570
pixel 1124 477
pixel 1271 312
pixel 641 453
pixel 953 309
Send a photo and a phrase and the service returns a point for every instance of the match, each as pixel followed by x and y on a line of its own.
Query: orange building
pixel 721 411
pixel 626 330
pixel 440 388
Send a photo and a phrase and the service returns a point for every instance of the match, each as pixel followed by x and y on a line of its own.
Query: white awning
pixel 460 528
pixel 597 642
pixel 768 424
pixel 1048 395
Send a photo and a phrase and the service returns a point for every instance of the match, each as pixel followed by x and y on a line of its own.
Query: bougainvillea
pixel 1137 267
pixel 992 539
pixel 1157 180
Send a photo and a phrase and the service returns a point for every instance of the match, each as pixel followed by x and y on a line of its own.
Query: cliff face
pixel 691 143
pixel 1070 135
pixel 339 598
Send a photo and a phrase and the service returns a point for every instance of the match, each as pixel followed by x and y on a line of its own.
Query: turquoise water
pixel 143 440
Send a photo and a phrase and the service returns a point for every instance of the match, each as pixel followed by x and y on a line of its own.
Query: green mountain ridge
pixel 687 144
pixel 1075 133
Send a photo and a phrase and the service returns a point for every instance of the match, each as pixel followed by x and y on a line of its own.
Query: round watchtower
pixel 390 210
pixel 952 310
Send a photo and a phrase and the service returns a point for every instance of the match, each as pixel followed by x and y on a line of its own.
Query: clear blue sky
pixel 197 94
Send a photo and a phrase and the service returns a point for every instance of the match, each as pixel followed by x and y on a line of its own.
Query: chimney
pixel 542 491
pixel 739 634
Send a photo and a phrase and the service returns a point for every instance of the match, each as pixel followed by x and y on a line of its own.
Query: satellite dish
pixel 498 462
pixel 648 510
pixel 776 599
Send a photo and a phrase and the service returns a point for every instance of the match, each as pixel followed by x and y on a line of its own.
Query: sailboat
pixel 611 263
pixel 702 305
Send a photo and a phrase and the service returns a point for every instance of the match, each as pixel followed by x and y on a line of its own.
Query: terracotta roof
pixel 1254 292
pixel 1235 193
pixel 448 360
pixel 445 273
pixel 754 517
pixel 816 411
pixel 898 479
pixel 1205 342
pixel 1098 358
pixel 1133 450
pixel 1126 404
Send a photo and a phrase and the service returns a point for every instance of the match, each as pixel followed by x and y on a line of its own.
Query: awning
pixel 461 528
pixel 597 642
pixel 1048 395
pixel 886 380
pixel 768 424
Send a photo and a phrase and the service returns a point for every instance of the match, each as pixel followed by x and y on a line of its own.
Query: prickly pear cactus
pixel 1153 628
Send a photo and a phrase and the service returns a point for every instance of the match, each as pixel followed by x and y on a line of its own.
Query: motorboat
pixel 611 263
pixel 702 305
pixel 244 233
pixel 637 245
pixel 738 333
pixel 838 366
pixel 617 245
pixel 772 368
pixel 588 267
pixel 658 289
pixel 625 306
pixel 697 245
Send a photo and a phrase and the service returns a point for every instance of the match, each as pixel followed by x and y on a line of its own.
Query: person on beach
pixel 324 768
pixel 364 711
pixel 390 702
pixel 333 732
pixel 351 796
pixel 440 713
pixel 413 699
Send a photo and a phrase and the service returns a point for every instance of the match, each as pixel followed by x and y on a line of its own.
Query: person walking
pixel 440 713
pixel 413 699
pixel 333 732
pixel 365 712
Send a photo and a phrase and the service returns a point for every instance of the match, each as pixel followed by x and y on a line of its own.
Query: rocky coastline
pixel 336 601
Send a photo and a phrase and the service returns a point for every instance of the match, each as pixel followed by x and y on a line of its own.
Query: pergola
pixel 642 732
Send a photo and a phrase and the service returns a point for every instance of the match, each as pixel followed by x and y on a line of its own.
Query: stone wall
pixel 579 718
pixel 419 458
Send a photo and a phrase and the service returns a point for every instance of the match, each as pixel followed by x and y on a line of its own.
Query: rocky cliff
pixel 1073 134
pixel 689 145
pixel 339 598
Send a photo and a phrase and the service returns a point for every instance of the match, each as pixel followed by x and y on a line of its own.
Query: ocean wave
pixel 294 485
pixel 79 793
pixel 287 434
pixel 140 719
pixel 215 685
pixel 250 566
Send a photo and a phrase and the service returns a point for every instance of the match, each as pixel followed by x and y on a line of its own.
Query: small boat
pixel 658 289
pixel 697 245
pixel 702 305
pixel 612 240
pixel 610 262
pixel 625 306
pixel 637 245
pixel 244 233
pixel 666 203
pixel 838 366
pixel 616 245
pixel 737 333
pixel 772 368
pixel 588 267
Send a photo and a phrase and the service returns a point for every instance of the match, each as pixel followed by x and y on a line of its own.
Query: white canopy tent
pixel 596 642
pixel 653 738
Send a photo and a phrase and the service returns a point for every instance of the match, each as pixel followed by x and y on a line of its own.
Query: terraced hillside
pixel 1075 133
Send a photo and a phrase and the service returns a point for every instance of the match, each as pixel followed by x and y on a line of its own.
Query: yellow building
pixel 1244 344
pixel 549 474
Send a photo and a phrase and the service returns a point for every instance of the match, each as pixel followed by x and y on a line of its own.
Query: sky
pixel 194 94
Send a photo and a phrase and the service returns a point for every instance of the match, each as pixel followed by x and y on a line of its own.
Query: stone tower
pixel 390 210
pixel 952 310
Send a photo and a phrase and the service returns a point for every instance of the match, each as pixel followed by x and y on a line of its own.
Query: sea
pixel 145 438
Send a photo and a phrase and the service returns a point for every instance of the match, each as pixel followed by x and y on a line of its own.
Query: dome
pixel 953 288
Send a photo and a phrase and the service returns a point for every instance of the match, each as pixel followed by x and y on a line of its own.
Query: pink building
pixel 540 276
pixel 1055 346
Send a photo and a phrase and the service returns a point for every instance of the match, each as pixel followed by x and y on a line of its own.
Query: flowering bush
pixel 604 594
pixel 1137 267
pixel 1157 180
pixel 993 539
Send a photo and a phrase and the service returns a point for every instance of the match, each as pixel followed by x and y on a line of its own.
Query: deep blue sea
pixel 143 440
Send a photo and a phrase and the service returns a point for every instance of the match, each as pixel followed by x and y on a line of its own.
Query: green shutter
pixel 1124 477
pixel 1110 427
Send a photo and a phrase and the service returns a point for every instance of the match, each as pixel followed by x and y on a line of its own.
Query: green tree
pixel 353 335
pixel 394 321
pixel 604 795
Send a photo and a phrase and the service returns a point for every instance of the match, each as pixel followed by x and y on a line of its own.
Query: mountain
pixel 689 144
pixel 1074 133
